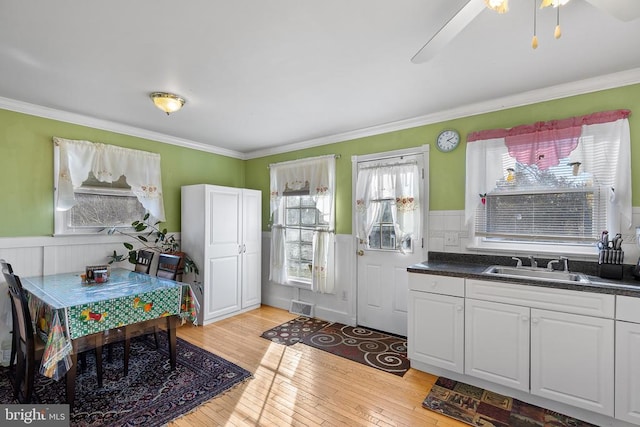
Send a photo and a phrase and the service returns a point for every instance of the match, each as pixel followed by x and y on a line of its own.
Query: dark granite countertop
pixel 472 267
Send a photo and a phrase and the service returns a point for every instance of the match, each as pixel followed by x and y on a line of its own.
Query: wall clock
pixel 447 140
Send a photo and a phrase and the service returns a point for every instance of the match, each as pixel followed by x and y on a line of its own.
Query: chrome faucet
pixel 551 263
pixel 563 259
pixel 533 261
pixel 518 260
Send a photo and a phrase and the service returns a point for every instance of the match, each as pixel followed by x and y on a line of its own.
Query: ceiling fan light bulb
pixel 534 42
pixel 557 33
pixel 500 6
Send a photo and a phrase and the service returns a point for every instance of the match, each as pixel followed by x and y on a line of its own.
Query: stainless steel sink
pixel 536 274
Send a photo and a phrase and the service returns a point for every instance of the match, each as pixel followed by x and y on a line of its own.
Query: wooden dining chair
pixel 168 266
pixel 29 346
pixel 167 269
pixel 143 265
pixel 14 334
pixel 143 261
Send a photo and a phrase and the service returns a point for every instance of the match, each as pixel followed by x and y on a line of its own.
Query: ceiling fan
pixel 624 10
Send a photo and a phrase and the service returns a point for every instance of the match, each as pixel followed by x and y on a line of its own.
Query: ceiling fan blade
pixel 449 31
pixel 624 10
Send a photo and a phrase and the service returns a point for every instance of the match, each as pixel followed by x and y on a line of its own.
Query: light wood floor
pixel 302 386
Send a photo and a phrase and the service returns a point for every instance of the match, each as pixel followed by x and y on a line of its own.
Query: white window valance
pixel 108 163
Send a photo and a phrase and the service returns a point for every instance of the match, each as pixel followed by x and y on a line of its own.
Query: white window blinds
pixel 565 180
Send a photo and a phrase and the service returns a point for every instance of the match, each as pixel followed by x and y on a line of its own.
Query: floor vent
pixel 302 308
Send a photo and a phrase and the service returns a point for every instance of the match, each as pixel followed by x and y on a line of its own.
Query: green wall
pixel 26 170
pixel 447 170
pixel 26 160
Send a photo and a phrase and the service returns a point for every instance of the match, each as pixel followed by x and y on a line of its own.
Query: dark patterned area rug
pixel 381 351
pixel 479 407
pixel 294 330
pixel 151 395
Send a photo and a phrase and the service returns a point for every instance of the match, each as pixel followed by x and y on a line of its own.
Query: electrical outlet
pixel 451 239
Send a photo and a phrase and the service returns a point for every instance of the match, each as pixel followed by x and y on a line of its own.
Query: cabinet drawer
pixel 445 285
pixel 568 301
pixel 628 309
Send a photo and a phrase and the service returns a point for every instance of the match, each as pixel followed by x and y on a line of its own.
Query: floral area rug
pixel 294 330
pixel 376 349
pixel 151 395
pixel 479 407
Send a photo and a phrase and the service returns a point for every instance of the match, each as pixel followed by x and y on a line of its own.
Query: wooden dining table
pixel 73 316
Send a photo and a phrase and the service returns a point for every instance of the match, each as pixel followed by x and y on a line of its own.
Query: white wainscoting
pixel 30 256
pixel 337 307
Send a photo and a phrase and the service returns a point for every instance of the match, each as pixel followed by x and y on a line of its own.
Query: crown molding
pixel 579 87
pixel 82 120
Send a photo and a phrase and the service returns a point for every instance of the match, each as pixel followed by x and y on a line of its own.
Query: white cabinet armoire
pixel 221 232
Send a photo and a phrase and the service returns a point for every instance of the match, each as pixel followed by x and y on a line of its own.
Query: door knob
pixel 360 252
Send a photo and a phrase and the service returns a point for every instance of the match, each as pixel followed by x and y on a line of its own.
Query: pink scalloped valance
pixel 544 143
pixel 578 121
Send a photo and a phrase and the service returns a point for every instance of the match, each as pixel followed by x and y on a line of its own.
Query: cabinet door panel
pixel 436 330
pixel 572 359
pixel 251 249
pixel 497 343
pixel 628 372
pixel 223 296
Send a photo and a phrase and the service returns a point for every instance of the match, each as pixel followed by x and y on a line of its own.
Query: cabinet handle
pixel 244 248
pixel 239 249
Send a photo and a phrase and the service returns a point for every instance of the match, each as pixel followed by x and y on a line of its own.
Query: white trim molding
pixel 609 81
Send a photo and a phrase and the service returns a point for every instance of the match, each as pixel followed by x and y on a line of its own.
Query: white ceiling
pixel 262 74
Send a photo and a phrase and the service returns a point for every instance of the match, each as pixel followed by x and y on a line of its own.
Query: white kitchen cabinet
pixel 436 321
pixel 627 367
pixel 497 343
pixel 221 232
pixel 572 359
pixel 571 342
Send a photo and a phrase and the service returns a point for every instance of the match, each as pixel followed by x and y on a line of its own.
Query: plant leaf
pixel 126 245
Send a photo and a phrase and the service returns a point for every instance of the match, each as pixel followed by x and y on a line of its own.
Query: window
pixel 301 220
pixel 303 223
pixel 100 205
pixel 388 204
pixel 99 186
pixel 554 183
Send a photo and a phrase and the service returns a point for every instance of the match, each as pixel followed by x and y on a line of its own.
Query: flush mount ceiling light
pixel 167 102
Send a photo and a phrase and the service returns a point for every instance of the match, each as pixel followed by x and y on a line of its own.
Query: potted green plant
pixel 154 239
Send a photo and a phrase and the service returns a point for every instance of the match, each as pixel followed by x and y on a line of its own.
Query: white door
pixel 497 342
pixel 382 261
pixel 572 359
pixel 436 330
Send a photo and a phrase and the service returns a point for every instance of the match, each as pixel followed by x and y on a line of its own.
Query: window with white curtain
pixel 99 186
pixel 303 223
pixel 557 183
pixel 388 208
